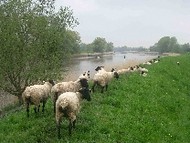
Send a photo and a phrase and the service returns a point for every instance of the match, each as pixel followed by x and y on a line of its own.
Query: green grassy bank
pixel 154 109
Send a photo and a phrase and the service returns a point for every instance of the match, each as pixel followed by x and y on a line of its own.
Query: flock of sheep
pixel 67 96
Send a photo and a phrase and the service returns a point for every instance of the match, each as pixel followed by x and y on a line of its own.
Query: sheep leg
pixel 58 129
pixel 55 99
pixel 38 108
pixel 35 109
pixel 102 89
pixel 106 87
pixel 74 123
pixel 93 86
pixel 43 106
pixel 27 109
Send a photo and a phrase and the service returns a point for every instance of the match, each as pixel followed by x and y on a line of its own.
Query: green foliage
pixel 125 48
pixel 185 48
pixel 33 41
pixel 134 109
pixel 100 45
pixel 167 44
pixel 86 48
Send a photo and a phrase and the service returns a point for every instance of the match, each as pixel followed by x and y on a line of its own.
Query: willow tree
pixel 32 44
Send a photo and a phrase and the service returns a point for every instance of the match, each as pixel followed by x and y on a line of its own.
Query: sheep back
pixel 37 93
pixel 66 87
pixel 68 105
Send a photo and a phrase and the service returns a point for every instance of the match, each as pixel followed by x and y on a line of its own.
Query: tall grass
pixel 153 109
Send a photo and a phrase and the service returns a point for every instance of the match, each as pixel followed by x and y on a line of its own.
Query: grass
pixel 135 109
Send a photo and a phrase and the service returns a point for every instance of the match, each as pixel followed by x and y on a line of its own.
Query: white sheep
pixel 147 63
pixel 103 78
pixel 68 105
pixel 141 69
pixel 71 86
pixel 37 94
pixel 128 70
pixel 142 73
pixel 123 71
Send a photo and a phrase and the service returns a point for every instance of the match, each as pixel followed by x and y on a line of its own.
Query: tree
pixel 185 47
pixel 166 44
pixel 32 44
pixel 163 44
pixel 99 45
pixel 72 38
pixel 109 47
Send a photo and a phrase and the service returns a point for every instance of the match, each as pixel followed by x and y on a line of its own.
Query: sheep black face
pixel 51 82
pixel 85 93
pixel 131 68
pixel 84 82
pixel 99 68
pixel 116 75
pixel 112 70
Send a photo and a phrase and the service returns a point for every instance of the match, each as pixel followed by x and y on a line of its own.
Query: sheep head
pixel 51 82
pixel 85 93
pixel 99 68
pixel 84 82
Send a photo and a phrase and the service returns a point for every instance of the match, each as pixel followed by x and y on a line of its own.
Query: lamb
pixel 103 78
pixel 37 94
pixel 71 86
pixel 68 105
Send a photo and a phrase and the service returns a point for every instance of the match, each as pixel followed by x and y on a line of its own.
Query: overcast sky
pixel 131 22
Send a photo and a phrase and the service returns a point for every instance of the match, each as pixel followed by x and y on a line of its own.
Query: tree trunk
pixel 20 99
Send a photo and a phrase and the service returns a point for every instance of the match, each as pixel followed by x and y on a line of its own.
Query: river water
pixel 117 60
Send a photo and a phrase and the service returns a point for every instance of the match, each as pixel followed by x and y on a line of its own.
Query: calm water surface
pixel 78 65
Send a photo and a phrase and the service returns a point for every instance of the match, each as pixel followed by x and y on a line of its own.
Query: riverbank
pixel 154 108
pixel 74 72
pixel 91 55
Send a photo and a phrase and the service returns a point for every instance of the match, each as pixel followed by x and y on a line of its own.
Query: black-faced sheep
pixel 71 86
pixel 103 78
pixel 68 105
pixel 37 94
pixel 142 73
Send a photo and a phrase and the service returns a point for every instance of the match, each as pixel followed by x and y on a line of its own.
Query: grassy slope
pixel 155 108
